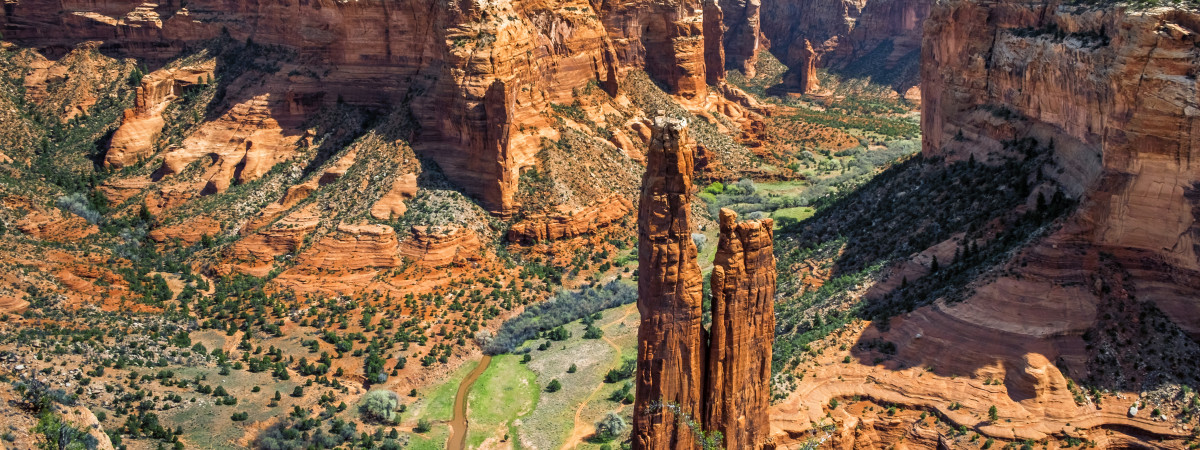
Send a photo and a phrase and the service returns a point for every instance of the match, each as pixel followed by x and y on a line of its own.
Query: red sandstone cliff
pixel 1108 92
pixel 1111 89
pixel 134 140
pixel 742 332
pixel 472 72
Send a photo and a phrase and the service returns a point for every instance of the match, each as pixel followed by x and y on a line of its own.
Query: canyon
pixel 394 181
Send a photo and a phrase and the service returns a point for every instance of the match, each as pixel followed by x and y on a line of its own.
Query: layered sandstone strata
pixel 439 246
pixel 683 379
pixel 1112 92
pixel 671 353
pixel 742 331
pixel 479 75
pixel 391 204
pixel 1108 93
pixel 573 223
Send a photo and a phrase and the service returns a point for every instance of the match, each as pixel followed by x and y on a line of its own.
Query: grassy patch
pixel 506 391
pixel 552 422
pixel 436 403
pixel 798 213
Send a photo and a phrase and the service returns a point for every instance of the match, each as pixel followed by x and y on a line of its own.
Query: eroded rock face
pixel 1111 90
pixel 141 124
pixel 671 344
pixel 571 224
pixel 743 38
pixel 439 246
pixel 1105 91
pixel 742 332
pixel 473 71
pixel 682 377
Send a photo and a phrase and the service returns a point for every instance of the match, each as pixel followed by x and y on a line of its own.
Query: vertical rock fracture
pixel 685 385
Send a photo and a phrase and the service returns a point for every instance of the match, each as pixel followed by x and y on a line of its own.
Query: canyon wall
pixel 1114 93
pixel 1104 296
pixel 478 76
pixel 685 380
pixel 878 38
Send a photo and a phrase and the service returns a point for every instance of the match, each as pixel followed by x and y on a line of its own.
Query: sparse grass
pixel 436 403
pixel 551 423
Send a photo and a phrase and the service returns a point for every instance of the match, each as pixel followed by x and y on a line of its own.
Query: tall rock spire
pixel 742 332
pixel 671 348
pixel 684 382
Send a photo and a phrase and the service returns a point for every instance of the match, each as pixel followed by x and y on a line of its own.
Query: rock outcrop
pixel 439 246
pixel 671 343
pixel 391 204
pixel 141 124
pixel 742 331
pixel 743 37
pixel 683 379
pixel 1106 294
pixel 570 224
pixel 473 71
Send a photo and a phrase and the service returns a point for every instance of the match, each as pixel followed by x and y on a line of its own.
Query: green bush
pixel 423 426
pixel 381 405
pixel 625 371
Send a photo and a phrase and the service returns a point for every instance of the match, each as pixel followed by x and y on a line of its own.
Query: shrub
pixel 554 386
pixel 566 307
pixel 239 416
pixel 626 370
pixel 716 188
pixel 381 405
pixel 593 332
pixel 79 205
pixel 610 427
pixel 60 434
pixel 423 426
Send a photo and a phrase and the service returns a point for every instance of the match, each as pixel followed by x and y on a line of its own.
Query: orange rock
pixel 353 247
pixel 141 124
pixel 189 232
pixel 576 223
pixel 51 223
pixel 742 332
pixel 439 246
pixel 391 205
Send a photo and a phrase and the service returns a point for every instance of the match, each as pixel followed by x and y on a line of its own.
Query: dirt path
pixel 582 429
pixel 458 426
